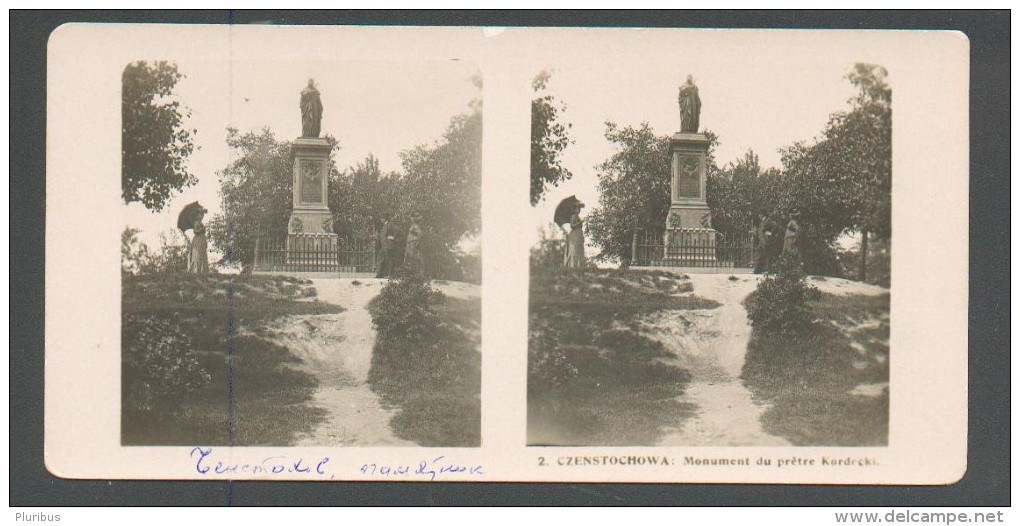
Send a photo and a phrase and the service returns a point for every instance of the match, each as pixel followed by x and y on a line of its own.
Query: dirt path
pixel 711 344
pixel 337 350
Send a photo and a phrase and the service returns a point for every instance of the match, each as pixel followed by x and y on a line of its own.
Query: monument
pixel 689 235
pixel 310 234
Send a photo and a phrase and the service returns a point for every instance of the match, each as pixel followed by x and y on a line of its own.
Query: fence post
pixel 633 246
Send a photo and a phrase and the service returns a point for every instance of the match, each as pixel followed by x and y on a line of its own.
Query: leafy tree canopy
pixel 154 141
pixel 843 181
pixel 738 191
pixel 634 188
pixel 440 183
pixel 362 198
pixel 548 140
pixel 256 193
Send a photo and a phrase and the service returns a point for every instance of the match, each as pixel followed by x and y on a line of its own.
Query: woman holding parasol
pixel 569 211
pixel 198 253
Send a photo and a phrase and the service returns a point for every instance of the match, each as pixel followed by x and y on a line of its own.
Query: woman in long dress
pixel 791 246
pixel 573 257
pixel 198 255
pixel 412 252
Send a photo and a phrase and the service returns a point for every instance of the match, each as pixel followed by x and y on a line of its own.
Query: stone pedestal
pixel 689 232
pixel 310 213
pixel 311 238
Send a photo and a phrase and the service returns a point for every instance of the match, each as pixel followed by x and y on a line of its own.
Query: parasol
pixel 565 210
pixel 186 219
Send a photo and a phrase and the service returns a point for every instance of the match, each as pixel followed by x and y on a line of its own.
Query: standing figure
pixel 387 237
pixel 311 110
pixel 412 252
pixel 198 253
pixel 690 106
pixel 766 239
pixel 573 256
pixel 791 244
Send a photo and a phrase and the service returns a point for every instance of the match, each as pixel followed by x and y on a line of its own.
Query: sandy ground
pixel 457 289
pixel 844 287
pixel 712 345
pixel 337 350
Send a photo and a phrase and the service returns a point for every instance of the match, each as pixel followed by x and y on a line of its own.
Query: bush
pixel 780 303
pixel 878 262
pixel 548 363
pixel 818 255
pixel 137 258
pixel 470 264
pixel 403 307
pixel 159 364
pixel 548 252
pixel 425 362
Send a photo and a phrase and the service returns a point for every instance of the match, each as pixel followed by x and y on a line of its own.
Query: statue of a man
pixel 690 106
pixel 311 110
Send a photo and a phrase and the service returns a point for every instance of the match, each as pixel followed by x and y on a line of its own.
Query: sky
pixel 377 107
pixel 762 93
pixel 750 102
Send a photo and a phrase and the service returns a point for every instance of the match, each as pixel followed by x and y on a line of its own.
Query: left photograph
pixel 300 255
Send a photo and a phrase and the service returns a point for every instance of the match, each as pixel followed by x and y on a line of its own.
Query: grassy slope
pixel 253 398
pixel 434 379
pixel 808 378
pixel 592 378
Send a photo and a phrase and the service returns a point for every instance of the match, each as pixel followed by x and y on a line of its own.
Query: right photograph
pixel 710 262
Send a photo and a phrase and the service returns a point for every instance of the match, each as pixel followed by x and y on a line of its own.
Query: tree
pixel 548 140
pixel 634 189
pixel 154 142
pixel 865 136
pixel 843 182
pixel 137 258
pixel 256 194
pixel 442 184
pixel 738 191
pixel 362 198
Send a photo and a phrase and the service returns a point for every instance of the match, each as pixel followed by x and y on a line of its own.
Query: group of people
pixel 390 259
pixel 772 243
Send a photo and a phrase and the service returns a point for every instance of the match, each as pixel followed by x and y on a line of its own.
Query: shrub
pixel 403 307
pixel 878 262
pixel 137 258
pixel 548 363
pixel 159 364
pixel 173 252
pixel 818 255
pixel 470 265
pixel 780 303
pixel 548 252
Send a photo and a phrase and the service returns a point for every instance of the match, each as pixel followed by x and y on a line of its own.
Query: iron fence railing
pixel 315 253
pixel 691 247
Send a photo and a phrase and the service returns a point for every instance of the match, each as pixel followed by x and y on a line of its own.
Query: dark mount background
pixel 985 484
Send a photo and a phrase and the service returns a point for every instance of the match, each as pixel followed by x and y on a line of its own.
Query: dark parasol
pixel 186 219
pixel 565 210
